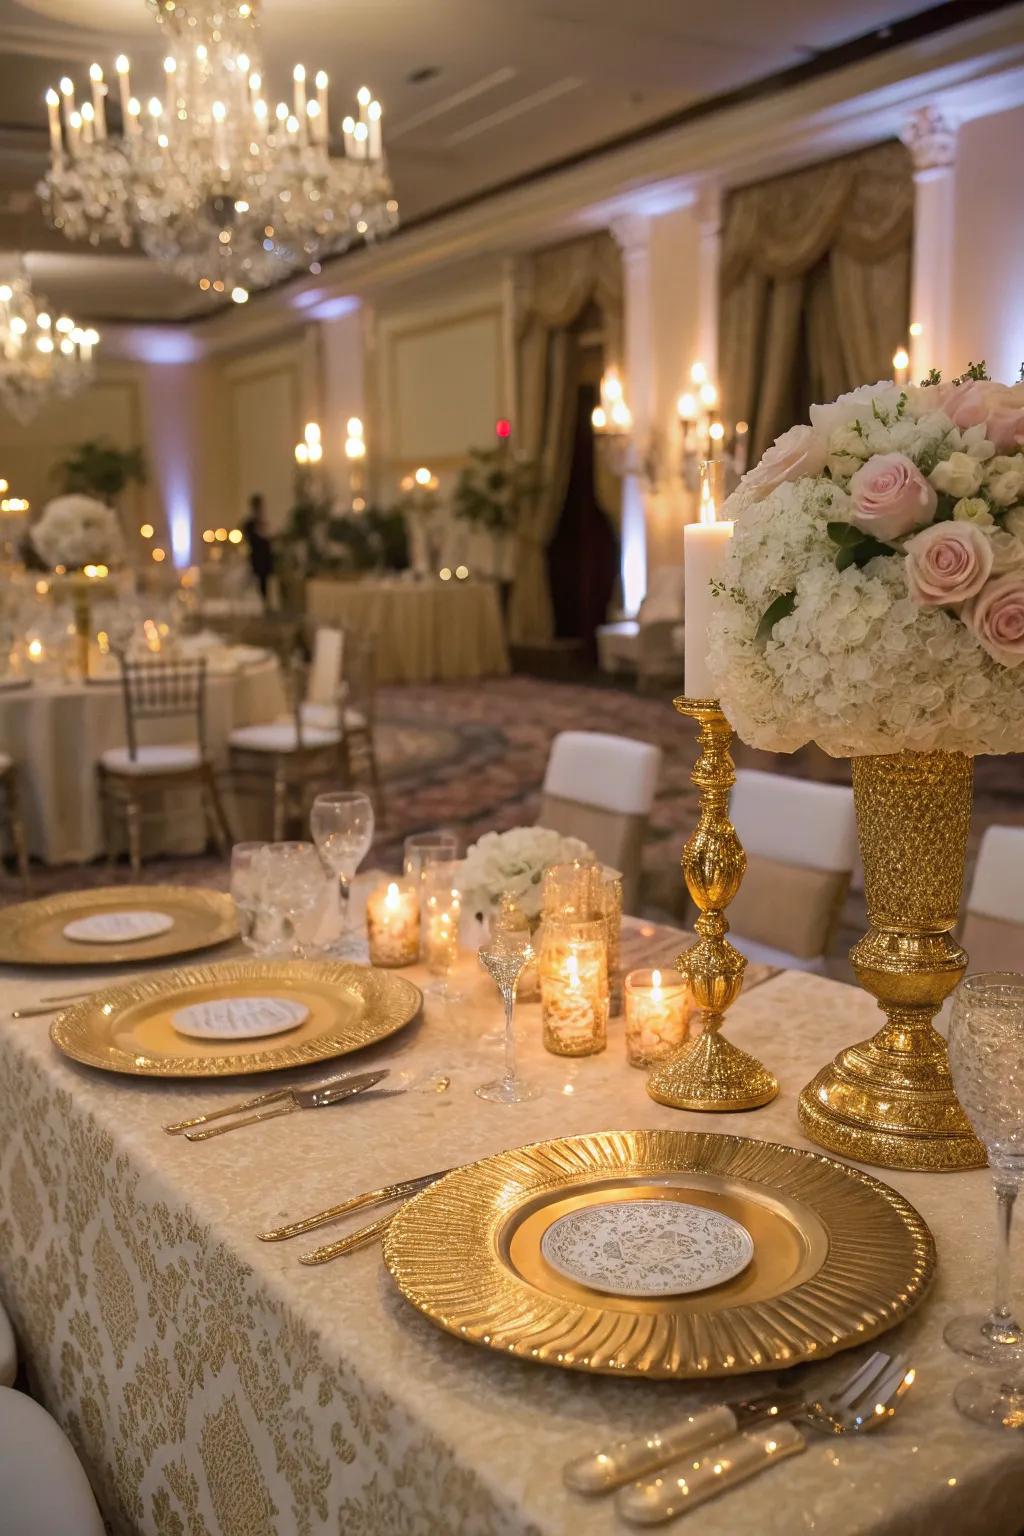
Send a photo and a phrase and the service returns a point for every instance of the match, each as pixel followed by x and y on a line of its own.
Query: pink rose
pixel 996 616
pixel 997 407
pixel 891 497
pixel 797 453
pixel 947 563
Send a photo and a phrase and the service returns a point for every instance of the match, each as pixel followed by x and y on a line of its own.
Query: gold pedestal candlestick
pixel 708 1072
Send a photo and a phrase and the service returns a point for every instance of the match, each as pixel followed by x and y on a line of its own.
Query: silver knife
pixel 298 1098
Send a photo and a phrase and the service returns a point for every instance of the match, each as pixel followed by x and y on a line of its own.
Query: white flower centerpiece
pixel 513 863
pixel 872 601
pixel 79 539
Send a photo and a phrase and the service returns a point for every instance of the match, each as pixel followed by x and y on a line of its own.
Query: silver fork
pixel 875 1384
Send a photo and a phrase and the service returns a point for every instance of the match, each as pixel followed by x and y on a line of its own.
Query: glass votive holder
pixel 422 849
pixel 574 987
pixel 441 909
pixel 657 1016
pixel 610 904
pixel 570 891
pixel 393 924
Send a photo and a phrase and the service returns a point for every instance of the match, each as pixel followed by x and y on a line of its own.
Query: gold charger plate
pixel 839 1257
pixel 127 1028
pixel 32 932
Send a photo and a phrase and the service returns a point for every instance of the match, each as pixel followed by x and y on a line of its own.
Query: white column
pixel 707 212
pixel 931 138
pixel 344 393
pixel 513 303
pixel 632 234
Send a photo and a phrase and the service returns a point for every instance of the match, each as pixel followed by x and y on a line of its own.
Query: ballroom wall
pixel 987 316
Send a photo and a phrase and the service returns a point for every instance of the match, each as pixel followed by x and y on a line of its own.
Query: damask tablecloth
pixel 56 733
pixel 426 631
pixel 214 1387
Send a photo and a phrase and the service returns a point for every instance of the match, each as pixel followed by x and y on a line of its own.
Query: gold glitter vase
pixel 890 1100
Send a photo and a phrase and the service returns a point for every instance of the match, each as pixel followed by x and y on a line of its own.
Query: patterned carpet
pixel 472 756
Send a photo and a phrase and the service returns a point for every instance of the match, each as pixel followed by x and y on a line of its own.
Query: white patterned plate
pixel 117 927
pixel 647 1247
pixel 239 1018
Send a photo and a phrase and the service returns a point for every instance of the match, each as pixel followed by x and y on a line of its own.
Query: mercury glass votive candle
pixel 570 891
pixel 609 893
pixel 657 1016
pixel 393 925
pixel 574 987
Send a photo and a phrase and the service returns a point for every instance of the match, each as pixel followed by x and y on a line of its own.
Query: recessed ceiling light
pixel 423 74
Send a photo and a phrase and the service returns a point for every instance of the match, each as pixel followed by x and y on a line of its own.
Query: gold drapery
pixel 559 285
pixel 815 285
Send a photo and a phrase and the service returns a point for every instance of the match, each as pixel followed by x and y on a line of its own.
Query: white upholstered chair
pixel 651 644
pixel 292 757
pixel 800 839
pixel 601 788
pixel 320 708
pixel 43 1488
pixel 993 930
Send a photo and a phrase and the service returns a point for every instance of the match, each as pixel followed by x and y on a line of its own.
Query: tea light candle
pixel 656 1016
pixel 393 925
pixel 574 989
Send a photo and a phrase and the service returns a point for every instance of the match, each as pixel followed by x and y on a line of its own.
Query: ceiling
pixel 512 86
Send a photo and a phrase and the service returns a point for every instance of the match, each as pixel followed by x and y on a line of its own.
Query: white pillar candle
pixel 705 546
pixel 374 142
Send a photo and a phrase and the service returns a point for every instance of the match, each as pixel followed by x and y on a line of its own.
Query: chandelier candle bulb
pixel 99 100
pixel 705 546
pixel 657 1007
pixel 393 925
pixel 574 988
pixel 374 143
pixel 299 91
pixel 53 113
pixel 123 86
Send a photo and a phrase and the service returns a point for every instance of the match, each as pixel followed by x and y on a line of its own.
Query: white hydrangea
pixel 857 666
pixel 77 530
pixel 514 862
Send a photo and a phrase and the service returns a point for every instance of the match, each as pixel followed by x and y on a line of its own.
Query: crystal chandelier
pixel 39 356
pixel 219 186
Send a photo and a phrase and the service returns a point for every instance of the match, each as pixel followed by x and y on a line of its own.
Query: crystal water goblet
pixel 290 885
pixel 505 959
pixel 986 1057
pixel 245 890
pixel 342 824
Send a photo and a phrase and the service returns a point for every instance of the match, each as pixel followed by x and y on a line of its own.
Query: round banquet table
pixel 56 731
pixel 426 631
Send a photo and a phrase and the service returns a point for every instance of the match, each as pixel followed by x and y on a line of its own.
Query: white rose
pixel 959 475
pixel 855 406
pixel 1006 487
pixel 973 509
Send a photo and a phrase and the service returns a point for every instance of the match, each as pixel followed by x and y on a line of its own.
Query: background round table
pixel 426 631
pixel 56 732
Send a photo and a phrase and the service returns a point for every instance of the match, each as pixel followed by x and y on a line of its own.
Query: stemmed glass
pixel 986 1057
pixel 245 889
pixel 342 825
pixel 506 957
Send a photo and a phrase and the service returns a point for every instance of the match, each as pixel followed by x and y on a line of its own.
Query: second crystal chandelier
pixel 221 187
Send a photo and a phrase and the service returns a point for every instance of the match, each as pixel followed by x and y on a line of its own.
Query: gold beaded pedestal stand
pixel 890 1099
pixel 708 1072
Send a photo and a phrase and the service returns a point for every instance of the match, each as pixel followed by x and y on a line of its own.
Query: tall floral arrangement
pixel 873 596
pixel 75 531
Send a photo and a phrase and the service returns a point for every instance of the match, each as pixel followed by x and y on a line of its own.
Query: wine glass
pixel 342 824
pixel 986 1057
pixel 290 885
pixel 244 888
pixel 505 958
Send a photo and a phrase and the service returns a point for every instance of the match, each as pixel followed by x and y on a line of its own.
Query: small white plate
pixel 239 1018
pixel 647 1247
pixel 117 927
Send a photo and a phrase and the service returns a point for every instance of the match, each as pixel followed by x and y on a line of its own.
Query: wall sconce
pixel 355 454
pixel 612 423
pixel 310 450
pixel 703 432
